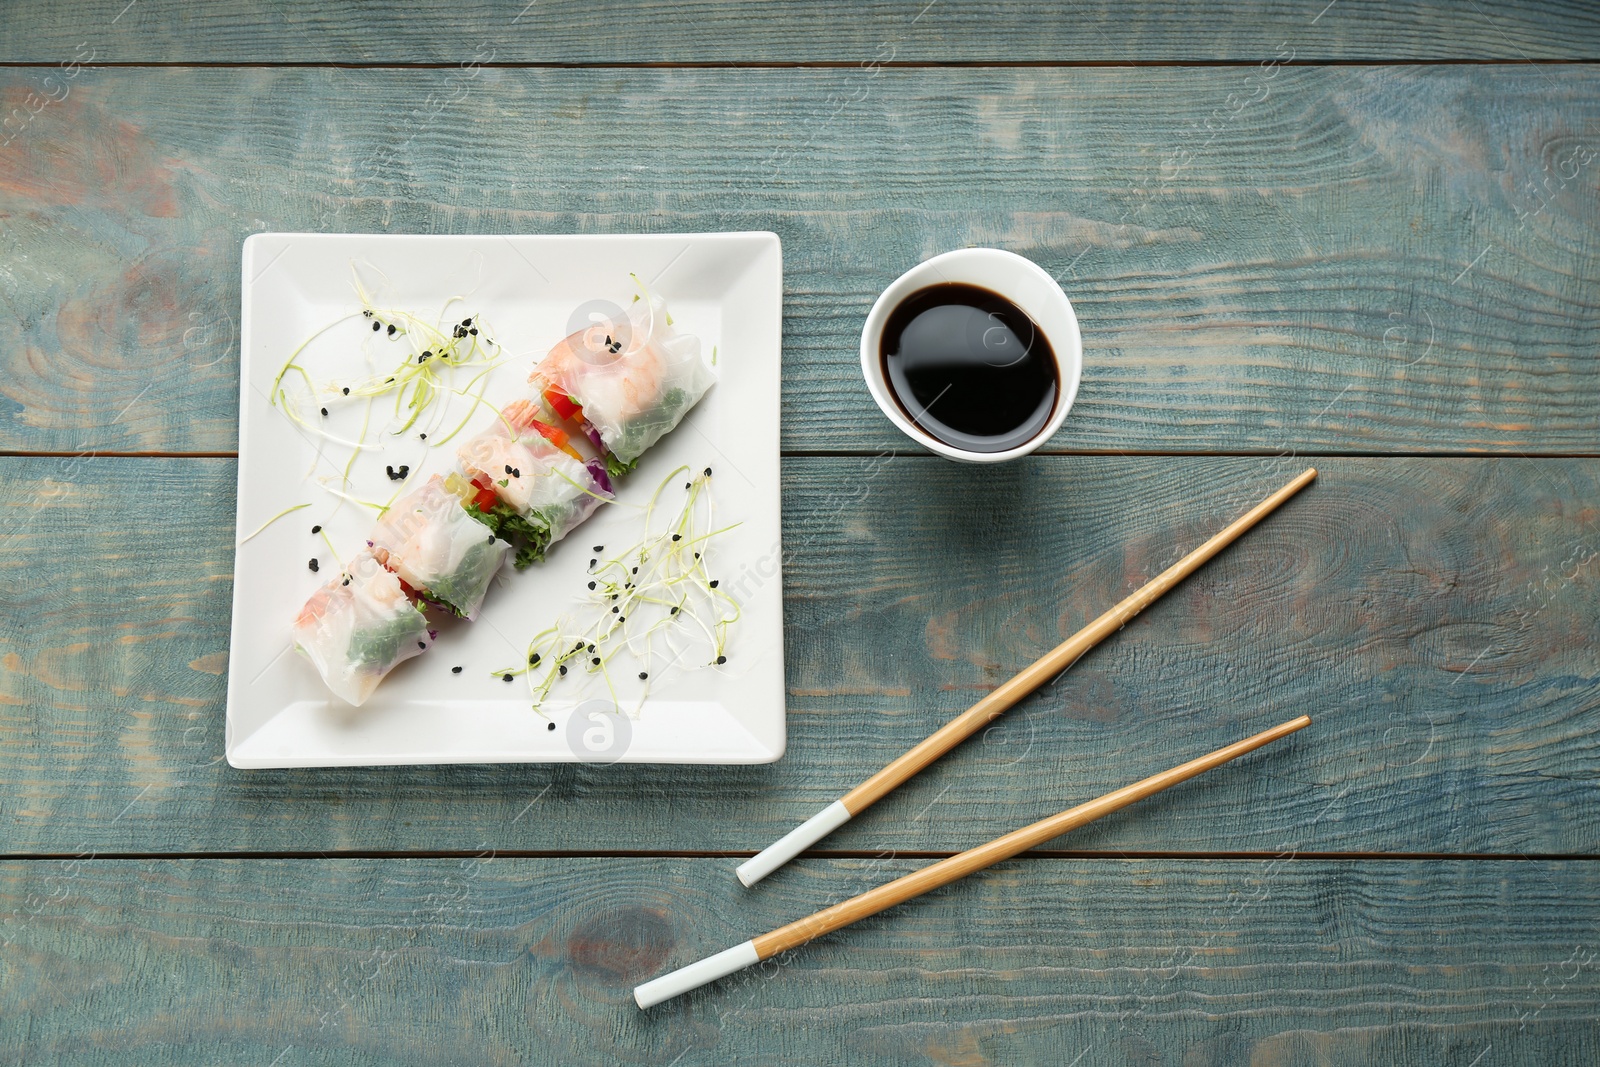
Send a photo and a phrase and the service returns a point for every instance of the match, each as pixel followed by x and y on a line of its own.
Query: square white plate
pixel 727 288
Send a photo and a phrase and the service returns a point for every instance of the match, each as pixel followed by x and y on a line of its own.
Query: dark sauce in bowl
pixel 969 367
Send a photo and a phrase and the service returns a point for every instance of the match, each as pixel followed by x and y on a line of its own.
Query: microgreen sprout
pixel 436 362
pixel 274 519
pixel 654 599
pixel 341 494
pixel 333 551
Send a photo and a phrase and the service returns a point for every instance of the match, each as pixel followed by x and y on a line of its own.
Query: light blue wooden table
pixel 1359 235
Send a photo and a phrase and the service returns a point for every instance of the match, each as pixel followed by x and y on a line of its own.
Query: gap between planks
pixel 821 64
pixel 832 854
pixel 822 453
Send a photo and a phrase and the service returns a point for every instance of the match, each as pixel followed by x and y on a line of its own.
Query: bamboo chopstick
pixel 1004 698
pixel 942 873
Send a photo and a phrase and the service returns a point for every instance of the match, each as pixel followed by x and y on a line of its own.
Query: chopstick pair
pixel 1007 696
pixel 944 872
pixel 947 737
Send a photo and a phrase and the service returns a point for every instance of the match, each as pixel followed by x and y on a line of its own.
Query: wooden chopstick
pixel 1006 696
pixel 942 873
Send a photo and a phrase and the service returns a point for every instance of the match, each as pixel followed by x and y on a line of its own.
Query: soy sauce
pixel 969 367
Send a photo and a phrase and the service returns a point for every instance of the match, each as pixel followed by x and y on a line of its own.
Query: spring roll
pixel 526 482
pixel 445 554
pixel 634 380
pixel 359 627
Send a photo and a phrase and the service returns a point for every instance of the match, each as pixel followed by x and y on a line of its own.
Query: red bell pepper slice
pixel 562 404
pixel 485 497
pixel 557 437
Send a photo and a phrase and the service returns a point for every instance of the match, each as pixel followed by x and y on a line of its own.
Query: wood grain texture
pixel 1434 616
pixel 718 31
pixel 1337 259
pixel 501 961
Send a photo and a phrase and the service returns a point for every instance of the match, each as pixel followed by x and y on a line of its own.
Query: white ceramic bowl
pixel 1020 281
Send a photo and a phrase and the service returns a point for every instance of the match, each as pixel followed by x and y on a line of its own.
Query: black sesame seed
pixel 708 472
pixel 423 436
pixel 636 570
pixel 515 473
pixel 313 565
pixel 591 585
pixel 614 610
pixel 643 675
pixel 563 668
pixel 316 529
pixel 533 660
pixel 347 390
pixel 622 618
pixel 426 353
pixel 714 583
pixel 387 382
pixel 599 548
pixel 455 670
pixel 596 661
pixel 473 331
pixel 376 326
pixel 552 726
pixel 391 329
pixel 324 412
pixel 677 537
pixel 345 582
pixel 591 648
pixel 422 645
pixel 697 555
pixel 505 677
pixel 674 611
pixel 466 322
pixel 686 485
pixel 508 468
pixel 592 562
pixel 722 659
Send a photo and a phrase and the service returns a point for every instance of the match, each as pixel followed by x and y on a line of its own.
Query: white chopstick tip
pixel 749 875
pixel 695 975
pixel 793 843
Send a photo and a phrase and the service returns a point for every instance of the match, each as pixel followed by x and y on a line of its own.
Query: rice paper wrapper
pixel 358 628
pixel 636 379
pixel 547 486
pixel 429 540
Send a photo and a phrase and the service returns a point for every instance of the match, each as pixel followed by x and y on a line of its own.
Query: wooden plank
pixel 496 960
pixel 1369 259
pixel 658 31
pixel 1435 616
